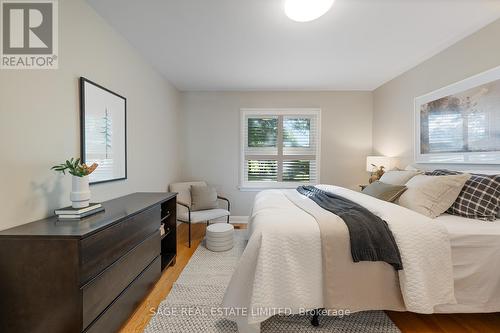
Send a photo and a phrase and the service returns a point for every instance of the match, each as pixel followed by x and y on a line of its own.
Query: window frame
pixel 280 113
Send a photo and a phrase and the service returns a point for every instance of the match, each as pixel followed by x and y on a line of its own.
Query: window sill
pixel 246 188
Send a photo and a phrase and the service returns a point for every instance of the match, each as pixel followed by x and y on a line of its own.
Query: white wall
pixel 211 136
pixel 393 126
pixel 39 119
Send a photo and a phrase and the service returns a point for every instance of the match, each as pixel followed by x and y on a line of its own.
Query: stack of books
pixel 70 213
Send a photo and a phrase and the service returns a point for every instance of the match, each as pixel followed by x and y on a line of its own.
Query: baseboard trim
pixel 232 219
pixel 238 219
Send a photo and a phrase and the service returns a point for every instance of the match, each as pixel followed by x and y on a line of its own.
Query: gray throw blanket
pixel 370 236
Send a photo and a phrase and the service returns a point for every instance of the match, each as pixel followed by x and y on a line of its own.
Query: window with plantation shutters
pixel 279 147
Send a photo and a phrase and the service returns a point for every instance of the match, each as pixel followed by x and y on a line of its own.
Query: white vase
pixel 80 193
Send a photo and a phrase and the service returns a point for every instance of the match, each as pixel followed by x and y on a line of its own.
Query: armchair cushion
pixel 184 194
pixel 184 191
pixel 203 197
pixel 202 215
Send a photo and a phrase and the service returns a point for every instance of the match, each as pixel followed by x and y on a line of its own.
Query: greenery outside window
pixel 279 147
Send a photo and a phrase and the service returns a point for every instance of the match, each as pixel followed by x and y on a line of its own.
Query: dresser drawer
pixel 105 247
pixel 104 288
pixel 118 312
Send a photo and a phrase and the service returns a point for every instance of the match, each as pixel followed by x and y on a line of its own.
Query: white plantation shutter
pixel 280 147
pixel 302 171
pixel 261 170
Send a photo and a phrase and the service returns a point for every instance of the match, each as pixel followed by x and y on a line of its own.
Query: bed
pixel 447 262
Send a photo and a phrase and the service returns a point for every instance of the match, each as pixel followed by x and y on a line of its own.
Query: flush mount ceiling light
pixel 307 10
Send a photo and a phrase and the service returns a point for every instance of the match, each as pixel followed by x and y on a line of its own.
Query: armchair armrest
pixel 227 200
pixel 184 204
pixel 189 211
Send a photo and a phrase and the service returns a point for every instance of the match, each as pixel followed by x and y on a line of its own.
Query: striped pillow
pixel 479 198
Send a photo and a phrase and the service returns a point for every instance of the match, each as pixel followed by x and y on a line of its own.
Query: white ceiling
pixel 252 45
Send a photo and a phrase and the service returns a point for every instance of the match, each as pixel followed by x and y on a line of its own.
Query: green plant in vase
pixel 80 194
pixel 75 167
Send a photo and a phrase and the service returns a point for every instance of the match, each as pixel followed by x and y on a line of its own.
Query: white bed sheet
pixel 475 251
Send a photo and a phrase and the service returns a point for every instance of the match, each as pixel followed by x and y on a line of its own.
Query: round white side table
pixel 220 237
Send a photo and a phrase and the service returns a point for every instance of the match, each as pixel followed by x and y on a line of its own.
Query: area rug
pixel 191 306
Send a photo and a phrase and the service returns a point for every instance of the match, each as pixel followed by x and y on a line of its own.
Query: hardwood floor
pixel 406 321
pixel 140 318
pixel 443 323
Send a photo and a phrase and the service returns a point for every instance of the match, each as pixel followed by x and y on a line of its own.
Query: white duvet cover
pixel 281 266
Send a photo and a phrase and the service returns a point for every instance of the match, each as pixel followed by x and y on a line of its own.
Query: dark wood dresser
pixel 87 275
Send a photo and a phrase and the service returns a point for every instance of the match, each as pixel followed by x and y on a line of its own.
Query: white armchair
pixel 184 212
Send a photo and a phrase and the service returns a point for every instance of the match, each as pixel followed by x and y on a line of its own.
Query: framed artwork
pixel 460 123
pixel 103 116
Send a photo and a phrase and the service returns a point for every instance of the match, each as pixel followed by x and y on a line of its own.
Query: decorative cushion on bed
pixel 432 195
pixel 398 177
pixel 203 197
pixel 410 167
pixel 383 191
pixel 480 197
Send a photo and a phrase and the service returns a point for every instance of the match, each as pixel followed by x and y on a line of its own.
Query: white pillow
pixel 410 167
pixel 398 177
pixel 432 195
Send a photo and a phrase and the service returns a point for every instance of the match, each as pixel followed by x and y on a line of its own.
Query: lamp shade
pixel 386 162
